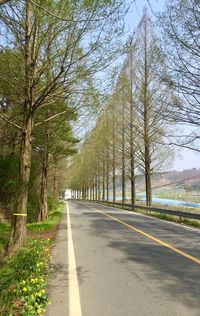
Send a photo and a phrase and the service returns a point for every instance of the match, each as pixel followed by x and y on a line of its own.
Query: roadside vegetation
pixel 24 276
pixel 184 196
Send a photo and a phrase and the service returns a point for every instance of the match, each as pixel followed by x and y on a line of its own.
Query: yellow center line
pixel 180 252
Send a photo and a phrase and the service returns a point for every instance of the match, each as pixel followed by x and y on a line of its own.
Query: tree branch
pixel 6 120
pixel 51 118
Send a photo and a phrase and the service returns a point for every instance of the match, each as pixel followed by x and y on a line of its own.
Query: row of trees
pixel 127 136
pixel 50 52
pixel 156 91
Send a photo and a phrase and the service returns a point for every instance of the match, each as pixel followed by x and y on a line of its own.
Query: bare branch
pixel 9 122
pixel 52 117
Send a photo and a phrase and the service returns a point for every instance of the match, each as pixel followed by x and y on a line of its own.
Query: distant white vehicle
pixel 68 194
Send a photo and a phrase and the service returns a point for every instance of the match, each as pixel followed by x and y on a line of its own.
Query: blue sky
pixel 137 7
pixel 186 159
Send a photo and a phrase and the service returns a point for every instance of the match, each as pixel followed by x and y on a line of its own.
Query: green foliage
pixel 8 175
pixel 8 170
pixel 32 207
pixel 22 280
pixel 4 233
pixel 96 3
pixel 11 66
pixel 52 203
pixel 53 219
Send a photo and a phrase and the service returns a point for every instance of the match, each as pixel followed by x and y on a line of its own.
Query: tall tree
pixel 73 59
pixel 180 33
pixel 149 95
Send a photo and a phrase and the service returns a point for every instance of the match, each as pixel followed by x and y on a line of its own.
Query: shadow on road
pixel 167 270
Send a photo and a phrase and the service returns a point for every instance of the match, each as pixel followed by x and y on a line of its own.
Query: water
pixel 161 201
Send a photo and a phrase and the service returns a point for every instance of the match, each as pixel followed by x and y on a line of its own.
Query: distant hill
pixel 179 180
pixel 186 179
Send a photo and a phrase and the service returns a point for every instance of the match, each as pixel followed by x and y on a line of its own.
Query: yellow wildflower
pixel 39 294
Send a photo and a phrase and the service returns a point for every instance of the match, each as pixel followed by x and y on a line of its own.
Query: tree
pixel 149 97
pixel 180 31
pixel 53 141
pixel 73 59
pixel 130 143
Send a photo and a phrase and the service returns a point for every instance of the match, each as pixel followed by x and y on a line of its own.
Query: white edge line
pixel 74 295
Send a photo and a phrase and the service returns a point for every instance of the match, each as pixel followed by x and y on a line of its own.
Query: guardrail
pixel 152 209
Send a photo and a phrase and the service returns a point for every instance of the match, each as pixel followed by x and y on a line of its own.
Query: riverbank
pixel 166 199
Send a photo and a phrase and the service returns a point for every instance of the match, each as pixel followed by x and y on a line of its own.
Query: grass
pixel 183 196
pixel 22 280
pixel 175 208
pixel 23 277
pixel 166 217
pixel 4 234
pixel 170 218
pixel 53 219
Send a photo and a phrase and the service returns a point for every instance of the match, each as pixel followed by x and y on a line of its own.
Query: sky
pixel 186 159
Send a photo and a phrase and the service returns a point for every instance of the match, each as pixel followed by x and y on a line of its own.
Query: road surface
pixel 125 264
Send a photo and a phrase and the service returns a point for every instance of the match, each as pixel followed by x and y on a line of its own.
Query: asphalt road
pixel 133 265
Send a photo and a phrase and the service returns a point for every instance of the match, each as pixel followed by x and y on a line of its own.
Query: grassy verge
pixel 166 217
pixel 23 277
pixel 176 219
pixel 4 233
pixel 53 219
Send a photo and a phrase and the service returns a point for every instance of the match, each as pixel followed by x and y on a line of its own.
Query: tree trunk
pixel 107 157
pixel 43 203
pixel 98 177
pixel 99 188
pixel 103 178
pixel 148 179
pixel 132 149
pixel 123 156
pixel 18 225
pixel 107 182
pixel 55 183
pixel 96 184
pixel 113 158
pixel 93 192
pixel 132 179
pixel 146 126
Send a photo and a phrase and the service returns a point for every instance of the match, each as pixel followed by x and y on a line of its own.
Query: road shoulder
pixel 58 283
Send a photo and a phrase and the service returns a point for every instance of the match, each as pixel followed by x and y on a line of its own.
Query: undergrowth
pixel 53 219
pixel 22 280
pixel 23 277
pixel 4 233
